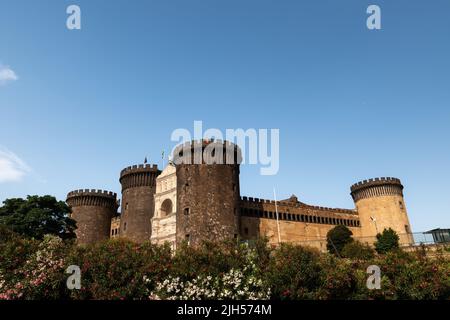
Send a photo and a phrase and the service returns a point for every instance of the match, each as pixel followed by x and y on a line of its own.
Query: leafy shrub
pixel 225 270
pixel 415 276
pixel 387 241
pixel 337 278
pixel 294 272
pixel 213 258
pixel 119 269
pixel 234 284
pixel 358 251
pixel 337 238
pixel 38 274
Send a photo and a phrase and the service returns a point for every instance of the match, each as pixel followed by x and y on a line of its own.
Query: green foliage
pixel 37 216
pixel 33 270
pixel 337 238
pixel 337 278
pixel 120 269
pixel 226 270
pixel 358 251
pixel 294 272
pixel 387 241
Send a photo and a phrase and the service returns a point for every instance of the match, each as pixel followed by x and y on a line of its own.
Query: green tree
pixel 358 251
pixel 37 216
pixel 337 238
pixel 387 241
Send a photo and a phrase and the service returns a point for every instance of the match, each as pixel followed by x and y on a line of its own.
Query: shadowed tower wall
pixel 138 190
pixel 380 205
pixel 92 210
pixel 207 191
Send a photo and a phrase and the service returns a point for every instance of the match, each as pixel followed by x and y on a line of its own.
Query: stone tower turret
pixel 207 191
pixel 92 210
pixel 380 205
pixel 138 190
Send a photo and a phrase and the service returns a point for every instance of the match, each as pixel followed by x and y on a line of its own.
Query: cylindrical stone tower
pixel 138 204
pixel 92 210
pixel 380 206
pixel 207 191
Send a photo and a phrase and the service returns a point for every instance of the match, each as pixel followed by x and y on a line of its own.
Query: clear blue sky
pixel 78 106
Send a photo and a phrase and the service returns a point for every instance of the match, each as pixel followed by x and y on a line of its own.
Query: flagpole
pixel 162 156
pixel 278 221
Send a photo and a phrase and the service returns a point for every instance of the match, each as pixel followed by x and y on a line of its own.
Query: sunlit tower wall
pixel 380 205
pixel 208 191
pixel 92 210
pixel 138 205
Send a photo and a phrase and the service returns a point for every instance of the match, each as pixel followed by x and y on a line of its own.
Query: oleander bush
pixel 226 270
pixel 32 269
pixel 119 269
pixel 294 272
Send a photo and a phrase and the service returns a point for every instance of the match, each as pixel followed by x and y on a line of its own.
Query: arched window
pixel 166 208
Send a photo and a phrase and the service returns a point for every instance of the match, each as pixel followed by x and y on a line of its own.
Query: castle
pixel 193 200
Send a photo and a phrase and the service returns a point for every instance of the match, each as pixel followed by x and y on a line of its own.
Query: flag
pixel 145 160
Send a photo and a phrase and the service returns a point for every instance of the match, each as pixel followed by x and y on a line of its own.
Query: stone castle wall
pixel 194 201
pixel 207 194
pixel 138 190
pixel 297 222
pixel 92 210
pixel 380 205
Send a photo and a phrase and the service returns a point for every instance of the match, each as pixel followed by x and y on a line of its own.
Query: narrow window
pixel 186 211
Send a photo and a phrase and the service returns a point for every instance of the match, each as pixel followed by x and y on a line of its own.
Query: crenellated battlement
pixel 297 204
pixel 375 181
pixel 142 175
pixel 92 197
pixel 92 192
pixel 203 152
pixel 139 168
pixel 385 186
pixel 297 211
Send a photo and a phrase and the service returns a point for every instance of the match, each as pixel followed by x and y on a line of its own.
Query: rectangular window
pixel 186 211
